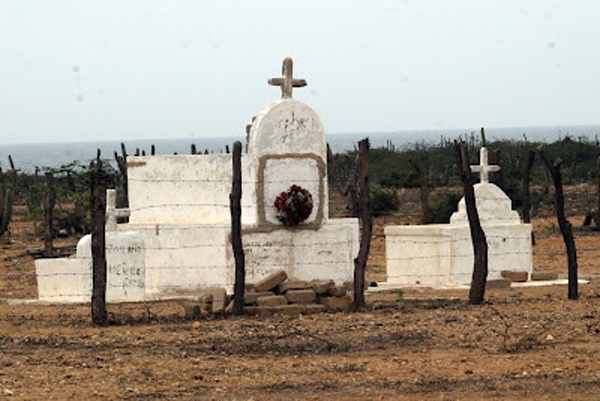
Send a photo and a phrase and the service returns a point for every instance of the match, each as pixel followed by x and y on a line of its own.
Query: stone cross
pixel 112 212
pixel 287 82
pixel 484 168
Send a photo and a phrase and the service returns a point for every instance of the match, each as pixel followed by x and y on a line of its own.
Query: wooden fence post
pixel 98 206
pixel 236 230
pixel 122 164
pixel 49 215
pixel 360 262
pixel 480 247
pixel 565 226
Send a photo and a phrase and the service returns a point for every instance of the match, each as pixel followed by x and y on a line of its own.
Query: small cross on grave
pixel 112 213
pixel 287 82
pixel 484 168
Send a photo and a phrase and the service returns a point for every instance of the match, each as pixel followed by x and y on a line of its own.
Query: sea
pixel 44 156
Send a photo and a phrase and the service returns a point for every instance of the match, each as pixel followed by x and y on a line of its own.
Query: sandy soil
pixel 521 344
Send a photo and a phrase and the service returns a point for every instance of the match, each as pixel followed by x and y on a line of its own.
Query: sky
pixel 141 69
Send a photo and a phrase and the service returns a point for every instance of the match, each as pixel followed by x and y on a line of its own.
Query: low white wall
pixel 187 189
pixel 442 255
pixel 181 259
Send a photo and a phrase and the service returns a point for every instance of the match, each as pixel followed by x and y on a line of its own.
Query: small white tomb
pixel 441 255
pixel 179 208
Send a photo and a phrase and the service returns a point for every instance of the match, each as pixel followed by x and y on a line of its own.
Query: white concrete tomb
pixel 179 208
pixel 441 255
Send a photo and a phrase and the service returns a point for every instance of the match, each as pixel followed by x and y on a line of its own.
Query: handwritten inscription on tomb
pixel 126 268
pixel 265 257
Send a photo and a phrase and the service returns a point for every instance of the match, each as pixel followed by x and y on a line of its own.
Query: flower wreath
pixel 294 205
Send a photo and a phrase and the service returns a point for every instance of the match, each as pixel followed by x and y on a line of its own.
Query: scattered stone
pixel 515 276
pixel 338 291
pixel 301 296
pixel 311 309
pixel 495 284
pixel 271 281
pixel 549 337
pixel 321 286
pixel 8 392
pixel 289 310
pixel 250 298
pixel 544 276
pixel 336 303
pixel 272 300
pixel 293 285
pixel 196 325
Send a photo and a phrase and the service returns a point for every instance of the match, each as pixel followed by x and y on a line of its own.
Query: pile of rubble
pixel 275 294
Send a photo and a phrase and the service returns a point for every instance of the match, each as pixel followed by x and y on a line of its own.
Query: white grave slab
pixel 179 209
pixel 70 280
pixel 441 255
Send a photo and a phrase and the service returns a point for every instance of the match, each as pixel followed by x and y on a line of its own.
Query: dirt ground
pixel 523 343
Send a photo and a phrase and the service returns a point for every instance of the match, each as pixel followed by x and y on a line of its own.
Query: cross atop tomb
pixel 112 212
pixel 287 82
pixel 484 168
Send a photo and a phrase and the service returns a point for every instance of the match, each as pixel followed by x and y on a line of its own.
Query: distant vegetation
pixel 390 167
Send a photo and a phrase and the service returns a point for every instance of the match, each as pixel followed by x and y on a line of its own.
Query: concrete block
pixel 338 291
pixel 495 284
pixel 272 300
pixel 311 309
pixel 263 311
pixel 271 281
pixel 321 286
pixel 289 310
pixel 219 299
pixel 515 276
pixel 544 276
pixel 293 285
pixel 301 296
pixel 336 303
pixel 250 298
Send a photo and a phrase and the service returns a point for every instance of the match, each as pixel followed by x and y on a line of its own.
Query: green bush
pixel 383 201
pixel 444 205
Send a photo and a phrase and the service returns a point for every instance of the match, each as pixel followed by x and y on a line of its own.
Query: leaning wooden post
pixel 236 230
pixel 98 206
pixel 565 226
pixel 49 215
pixel 427 217
pixel 480 247
pixel 122 164
pixel 360 262
pixel 526 210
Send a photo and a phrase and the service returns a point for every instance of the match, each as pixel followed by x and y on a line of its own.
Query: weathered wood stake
pixel 98 212
pixel 565 226
pixel 236 230
pixel 480 247
pixel 360 262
